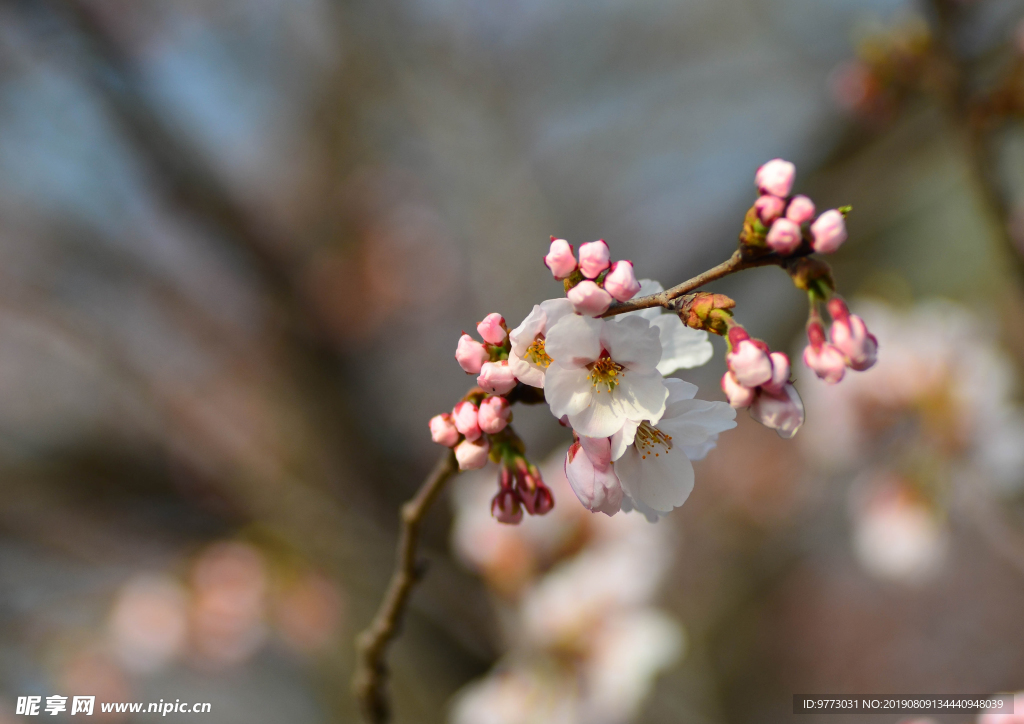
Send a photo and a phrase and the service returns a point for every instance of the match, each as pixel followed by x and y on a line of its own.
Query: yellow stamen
pixel 537 354
pixel 648 438
pixel 605 371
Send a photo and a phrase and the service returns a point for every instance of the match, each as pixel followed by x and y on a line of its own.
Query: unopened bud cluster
pixel 478 429
pixel 849 343
pixel 776 221
pixel 757 377
pixel 594 282
pixel 488 360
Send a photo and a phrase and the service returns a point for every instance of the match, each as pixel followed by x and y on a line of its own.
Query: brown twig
pixel 371 673
pixel 735 263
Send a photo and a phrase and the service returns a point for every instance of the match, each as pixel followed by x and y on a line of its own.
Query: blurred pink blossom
pixel 148 624
pixel 229 584
pixel 943 372
pixel 896 535
pixel 308 612
pixel 1017 717
pixel 586 642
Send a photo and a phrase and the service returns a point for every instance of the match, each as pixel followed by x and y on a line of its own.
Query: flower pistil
pixel 605 371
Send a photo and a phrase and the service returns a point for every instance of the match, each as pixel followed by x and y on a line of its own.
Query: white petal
pixel 661 481
pixel 555 309
pixel 698 452
pixel 629 505
pixel 525 372
pixel 574 341
pixel 523 335
pixel 641 396
pixel 681 347
pixel 623 438
pixel 679 390
pixel 694 421
pixel 567 391
pixel 632 342
pixel 603 417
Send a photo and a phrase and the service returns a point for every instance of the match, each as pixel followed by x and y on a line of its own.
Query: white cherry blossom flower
pixel 604 372
pixel 681 347
pixel 653 460
pixel 528 358
pixel 897 535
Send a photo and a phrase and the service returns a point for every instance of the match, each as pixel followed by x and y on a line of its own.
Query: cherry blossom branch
pixel 370 678
pixel 739 261
pixel 478 428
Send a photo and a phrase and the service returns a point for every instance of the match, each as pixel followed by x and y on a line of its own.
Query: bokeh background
pixel 238 243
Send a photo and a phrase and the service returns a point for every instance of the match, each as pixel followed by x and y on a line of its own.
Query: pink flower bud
pixel 739 396
pixel 542 501
pixel 589 299
pixel 443 430
pixel 825 359
pixel 827 362
pixel 535 497
pixel 492 328
pixel 800 210
pixel 749 363
pixel 505 507
pixel 769 208
pixel 736 335
pixel 594 258
pixel 470 354
pixel 784 236
pixel 783 412
pixel 495 413
pixel 496 377
pixel 466 419
pixel 591 475
pixel 780 372
pixel 560 260
pixel 828 232
pixel 621 282
pixel 472 454
pixel 775 177
pixel 851 336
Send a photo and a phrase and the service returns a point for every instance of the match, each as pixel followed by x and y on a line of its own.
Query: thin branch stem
pixel 735 263
pixel 370 678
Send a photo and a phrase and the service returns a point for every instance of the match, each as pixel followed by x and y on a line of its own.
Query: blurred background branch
pixel 370 680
